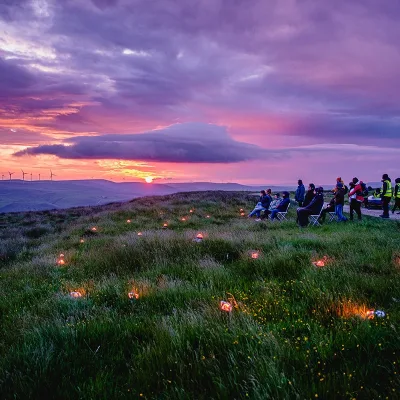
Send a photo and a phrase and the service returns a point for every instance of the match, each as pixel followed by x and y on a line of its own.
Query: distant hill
pixel 17 195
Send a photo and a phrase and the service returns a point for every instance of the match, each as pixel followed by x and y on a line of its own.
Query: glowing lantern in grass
pixel 191 211
pixel 134 295
pixel 242 214
pixel 61 260
pixel 75 295
pixel 241 210
pixel 199 238
pixel 225 306
pixel 165 226
pixel 183 219
pixel 319 263
pixel 140 234
pixel 94 229
pixel 82 241
pixel 207 216
pixel 255 255
pixel 349 309
pixel 370 314
pixel 128 221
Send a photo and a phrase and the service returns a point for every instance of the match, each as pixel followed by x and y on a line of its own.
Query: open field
pixel 296 331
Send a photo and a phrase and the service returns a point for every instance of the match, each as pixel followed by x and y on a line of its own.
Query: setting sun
pixel 148 179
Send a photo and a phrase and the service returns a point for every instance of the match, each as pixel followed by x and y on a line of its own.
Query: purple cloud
pixel 322 73
pixel 182 143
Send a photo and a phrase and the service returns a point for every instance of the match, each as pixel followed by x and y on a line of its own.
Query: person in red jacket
pixel 356 198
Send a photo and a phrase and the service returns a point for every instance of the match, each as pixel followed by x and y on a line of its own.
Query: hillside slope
pixel 122 315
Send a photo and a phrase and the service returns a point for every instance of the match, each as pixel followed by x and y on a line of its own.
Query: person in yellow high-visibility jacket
pixel 396 196
pixel 386 195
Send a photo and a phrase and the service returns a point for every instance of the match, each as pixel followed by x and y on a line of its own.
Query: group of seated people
pixel 312 204
pixel 270 207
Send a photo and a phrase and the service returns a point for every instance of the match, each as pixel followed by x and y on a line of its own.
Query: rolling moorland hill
pixel 17 195
pixel 89 309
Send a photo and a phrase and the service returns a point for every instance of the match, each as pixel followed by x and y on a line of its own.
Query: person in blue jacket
pixel 313 208
pixel 262 205
pixel 300 193
pixel 283 205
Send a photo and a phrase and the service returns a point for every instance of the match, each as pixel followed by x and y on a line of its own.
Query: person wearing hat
pixel 283 205
pixel 313 208
pixel 340 180
pixel 386 195
pixel 309 195
pixel 356 198
pixel 300 192
pixel 396 196
pixel 339 201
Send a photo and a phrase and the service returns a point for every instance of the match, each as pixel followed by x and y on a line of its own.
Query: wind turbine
pixel 23 175
pixel 10 173
pixel 39 177
pixel 2 177
pixel 31 176
pixel 51 175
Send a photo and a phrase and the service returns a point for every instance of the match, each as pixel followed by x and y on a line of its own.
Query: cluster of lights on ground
pixel 227 306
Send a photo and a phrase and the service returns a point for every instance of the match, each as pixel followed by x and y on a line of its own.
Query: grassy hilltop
pixel 296 331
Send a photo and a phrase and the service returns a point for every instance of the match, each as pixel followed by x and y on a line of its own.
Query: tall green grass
pixel 293 333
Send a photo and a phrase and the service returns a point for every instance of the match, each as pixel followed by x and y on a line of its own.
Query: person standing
pixel 300 193
pixel 396 196
pixel 339 201
pixel 386 195
pixel 356 198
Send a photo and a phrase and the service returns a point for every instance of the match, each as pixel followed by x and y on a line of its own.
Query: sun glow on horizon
pixel 148 179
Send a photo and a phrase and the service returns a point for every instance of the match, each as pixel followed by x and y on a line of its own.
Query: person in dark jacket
pixel 267 205
pixel 386 195
pixel 396 196
pixel 309 195
pixel 329 208
pixel 339 201
pixel 263 204
pixel 313 208
pixel 300 192
pixel 283 205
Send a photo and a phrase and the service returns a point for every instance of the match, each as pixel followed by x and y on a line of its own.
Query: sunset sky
pixel 246 91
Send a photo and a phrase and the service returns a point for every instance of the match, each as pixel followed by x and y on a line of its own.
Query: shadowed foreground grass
pixel 296 331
